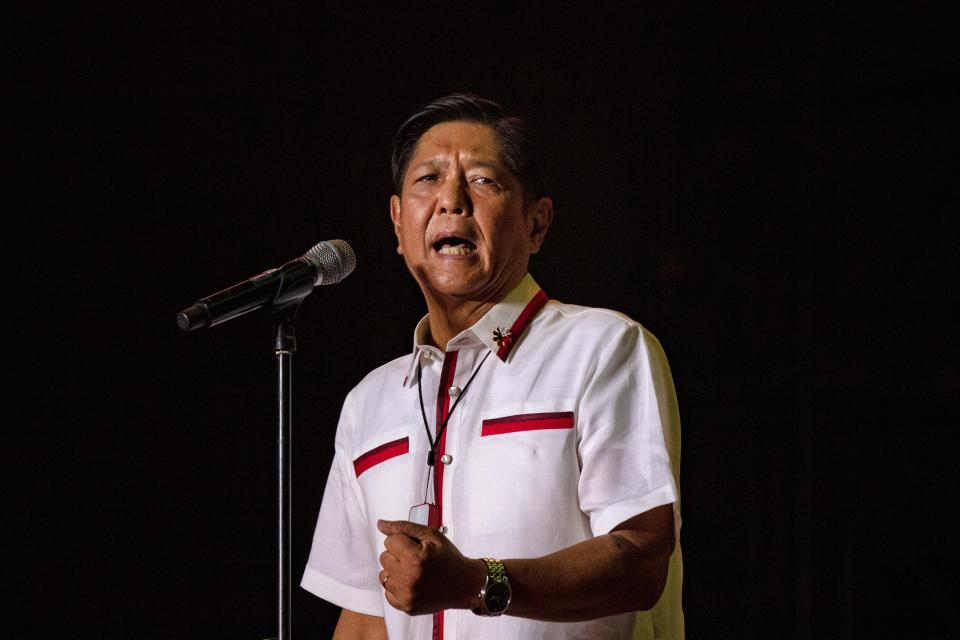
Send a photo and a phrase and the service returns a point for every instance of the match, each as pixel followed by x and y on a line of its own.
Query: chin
pixel 453 281
pixel 452 287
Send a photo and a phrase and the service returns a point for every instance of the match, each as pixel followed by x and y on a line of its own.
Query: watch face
pixel 497 597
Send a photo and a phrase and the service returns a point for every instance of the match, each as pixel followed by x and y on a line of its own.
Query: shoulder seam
pixel 569 311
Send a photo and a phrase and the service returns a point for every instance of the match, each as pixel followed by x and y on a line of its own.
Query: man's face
pixel 460 220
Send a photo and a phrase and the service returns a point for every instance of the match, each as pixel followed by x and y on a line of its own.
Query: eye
pixel 482 180
pixel 430 177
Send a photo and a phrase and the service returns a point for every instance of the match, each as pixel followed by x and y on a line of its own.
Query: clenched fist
pixel 424 572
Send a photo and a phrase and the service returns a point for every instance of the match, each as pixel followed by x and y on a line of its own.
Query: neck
pixel 449 315
pixel 448 318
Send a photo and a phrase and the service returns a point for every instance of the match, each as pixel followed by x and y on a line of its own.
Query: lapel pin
pixel 503 338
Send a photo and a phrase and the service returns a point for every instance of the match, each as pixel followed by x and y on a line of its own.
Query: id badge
pixel 426 514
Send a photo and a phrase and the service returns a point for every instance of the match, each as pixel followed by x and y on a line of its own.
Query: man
pixel 517 475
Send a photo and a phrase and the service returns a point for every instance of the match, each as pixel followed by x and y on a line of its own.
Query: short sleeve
pixel 342 566
pixel 625 416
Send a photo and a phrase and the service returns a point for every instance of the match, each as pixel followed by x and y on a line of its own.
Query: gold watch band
pixel 495 569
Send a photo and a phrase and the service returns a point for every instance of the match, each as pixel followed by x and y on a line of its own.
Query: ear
pixel 540 216
pixel 395 216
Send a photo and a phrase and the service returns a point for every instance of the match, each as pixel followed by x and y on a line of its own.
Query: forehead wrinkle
pixel 436 162
pixel 441 161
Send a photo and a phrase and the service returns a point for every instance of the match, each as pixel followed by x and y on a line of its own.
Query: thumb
pixel 411 529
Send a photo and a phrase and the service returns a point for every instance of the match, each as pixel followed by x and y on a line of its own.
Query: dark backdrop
pixel 765 189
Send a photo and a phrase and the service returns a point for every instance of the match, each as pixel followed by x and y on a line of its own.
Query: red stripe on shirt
pixel 527 422
pixel 520 324
pixel 443 410
pixel 381 454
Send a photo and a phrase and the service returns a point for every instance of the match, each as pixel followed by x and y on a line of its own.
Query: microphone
pixel 327 262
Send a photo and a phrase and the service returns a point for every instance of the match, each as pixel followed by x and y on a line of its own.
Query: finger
pixel 384 577
pixel 412 529
pixel 401 546
pixel 389 562
pixel 392 599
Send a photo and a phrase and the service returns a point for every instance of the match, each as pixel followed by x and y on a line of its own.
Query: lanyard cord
pixel 443 426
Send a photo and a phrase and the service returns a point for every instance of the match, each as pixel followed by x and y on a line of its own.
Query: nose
pixel 454 198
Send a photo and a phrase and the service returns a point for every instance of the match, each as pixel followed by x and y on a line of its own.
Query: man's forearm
pixel 624 570
pixel 358 626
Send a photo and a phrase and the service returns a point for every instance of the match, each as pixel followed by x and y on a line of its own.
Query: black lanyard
pixel 443 426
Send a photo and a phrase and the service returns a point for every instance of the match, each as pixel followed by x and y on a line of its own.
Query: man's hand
pixel 424 572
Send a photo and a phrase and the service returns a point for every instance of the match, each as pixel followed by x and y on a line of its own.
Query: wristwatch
pixel 495 594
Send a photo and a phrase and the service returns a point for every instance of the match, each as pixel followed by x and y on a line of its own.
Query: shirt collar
pixel 498 330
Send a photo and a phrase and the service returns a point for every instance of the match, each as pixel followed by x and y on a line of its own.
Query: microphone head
pixel 333 259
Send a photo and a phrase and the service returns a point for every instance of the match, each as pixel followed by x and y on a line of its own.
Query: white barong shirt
pixel 569 428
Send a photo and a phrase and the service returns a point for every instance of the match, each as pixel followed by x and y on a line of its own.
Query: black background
pixel 767 190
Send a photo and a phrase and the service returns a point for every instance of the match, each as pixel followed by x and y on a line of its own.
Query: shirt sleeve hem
pixel 347 597
pixel 603 521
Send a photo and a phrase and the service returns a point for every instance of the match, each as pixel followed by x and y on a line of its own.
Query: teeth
pixel 459 250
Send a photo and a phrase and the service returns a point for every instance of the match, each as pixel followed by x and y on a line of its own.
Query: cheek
pixel 412 226
pixel 509 235
pixel 411 239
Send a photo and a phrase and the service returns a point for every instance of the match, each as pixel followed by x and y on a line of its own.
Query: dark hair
pixel 518 144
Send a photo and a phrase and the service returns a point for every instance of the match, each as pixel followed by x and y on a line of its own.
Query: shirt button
pixel 453 391
pixel 446 458
pixel 443 528
pixel 427 355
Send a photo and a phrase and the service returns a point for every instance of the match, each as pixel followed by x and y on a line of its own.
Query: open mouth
pixel 454 246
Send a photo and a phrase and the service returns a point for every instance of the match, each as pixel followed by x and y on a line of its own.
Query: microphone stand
pixel 326 263
pixel 284 344
pixel 283 312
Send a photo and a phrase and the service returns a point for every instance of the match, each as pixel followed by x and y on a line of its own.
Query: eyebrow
pixel 496 166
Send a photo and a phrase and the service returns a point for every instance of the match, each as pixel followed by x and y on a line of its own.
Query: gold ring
pixel 385 578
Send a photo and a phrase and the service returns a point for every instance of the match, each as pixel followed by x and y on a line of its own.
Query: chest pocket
pixel 526 463
pixel 382 466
